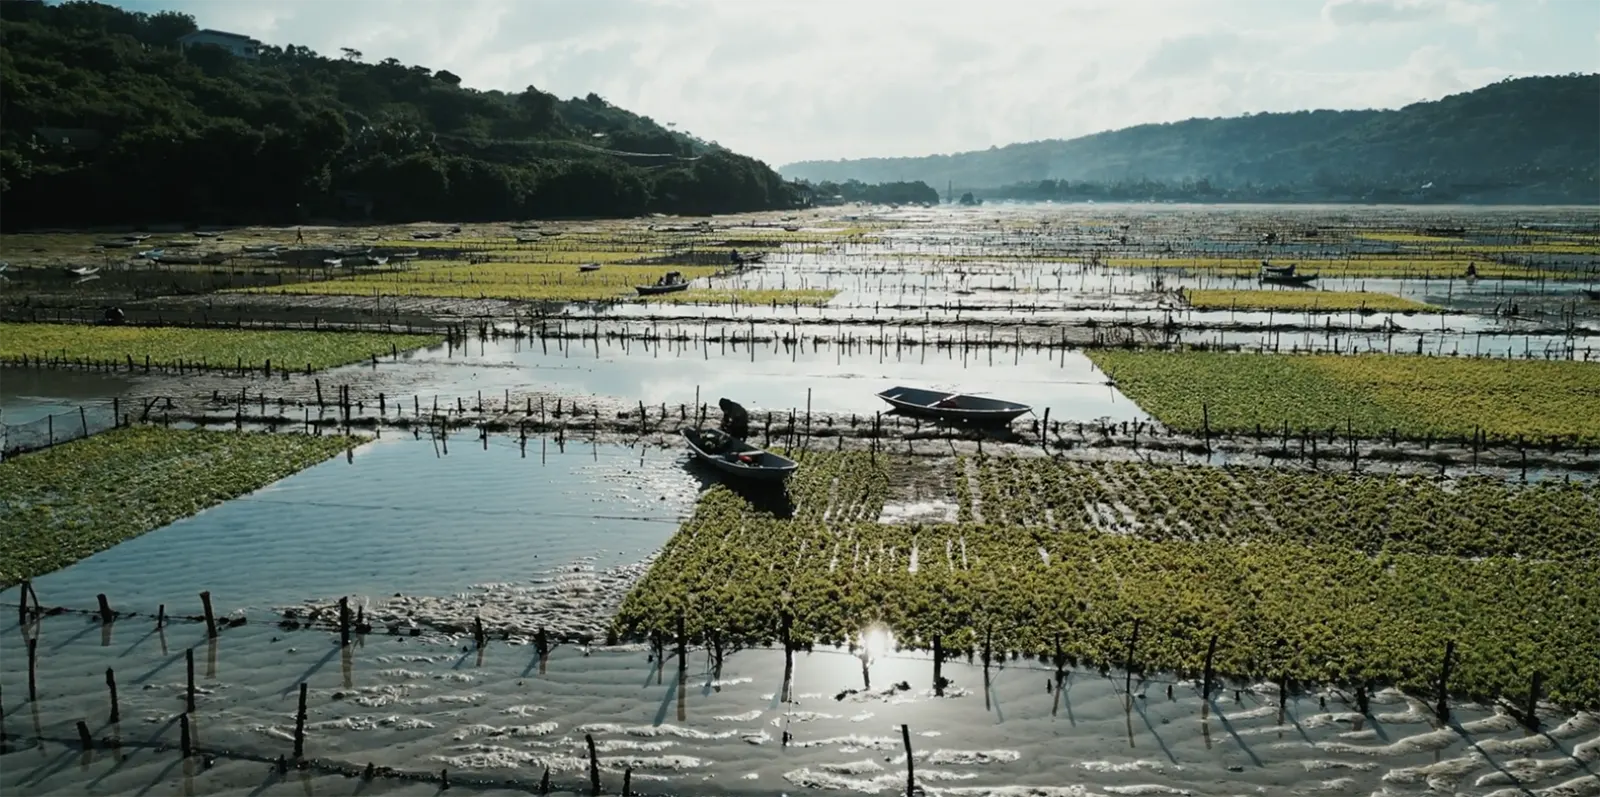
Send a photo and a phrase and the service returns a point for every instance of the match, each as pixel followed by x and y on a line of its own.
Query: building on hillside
pixel 241 46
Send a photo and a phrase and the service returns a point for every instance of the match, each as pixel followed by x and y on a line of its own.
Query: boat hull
pixel 715 448
pixel 653 290
pixel 953 407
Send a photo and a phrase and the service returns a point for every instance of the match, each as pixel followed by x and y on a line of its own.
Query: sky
pixel 789 80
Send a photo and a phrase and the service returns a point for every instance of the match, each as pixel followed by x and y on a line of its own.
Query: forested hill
pixel 1524 140
pixel 105 118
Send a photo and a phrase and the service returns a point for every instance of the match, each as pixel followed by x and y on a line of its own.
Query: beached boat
pixel 333 262
pixel 258 248
pixel 953 407
pixel 589 267
pixel 404 255
pixel 377 260
pixel 742 259
pixel 733 456
pixel 1278 271
pixel 83 271
pixel 671 282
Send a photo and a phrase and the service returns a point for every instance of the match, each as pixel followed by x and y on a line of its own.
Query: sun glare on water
pixel 876 641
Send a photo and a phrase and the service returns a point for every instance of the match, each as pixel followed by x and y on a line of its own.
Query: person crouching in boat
pixel 735 420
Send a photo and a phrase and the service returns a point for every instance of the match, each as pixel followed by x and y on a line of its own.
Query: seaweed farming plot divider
pixel 62 427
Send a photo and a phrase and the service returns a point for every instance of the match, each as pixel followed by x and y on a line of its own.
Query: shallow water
pixel 550 529
pixel 772 377
pixel 28 394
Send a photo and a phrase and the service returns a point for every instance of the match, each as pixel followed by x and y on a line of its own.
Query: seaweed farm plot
pixel 1309 301
pixel 1371 394
pixel 71 501
pixel 1322 585
pixel 131 347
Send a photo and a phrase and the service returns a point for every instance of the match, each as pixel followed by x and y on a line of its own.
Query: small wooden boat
pixel 791 228
pixel 426 236
pixel 739 259
pixel 376 260
pixel 404 255
pixel 1592 294
pixel 730 455
pixel 83 271
pixel 1278 271
pixel 116 244
pixel 589 267
pixel 204 234
pixel 333 262
pixel 139 236
pixel 671 282
pixel 257 248
pixel 152 254
pixel 953 407
pixel 1289 279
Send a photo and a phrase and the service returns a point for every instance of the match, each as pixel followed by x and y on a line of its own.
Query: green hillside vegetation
pixel 109 120
pixel 1523 140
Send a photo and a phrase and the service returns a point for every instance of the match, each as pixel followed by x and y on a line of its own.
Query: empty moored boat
pixel 734 456
pixel 953 407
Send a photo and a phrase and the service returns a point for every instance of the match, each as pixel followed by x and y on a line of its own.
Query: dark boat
pixel 589 267
pixel 953 407
pixel 737 457
pixel 671 282
pixel 1595 295
pixel 1288 279
pixel 1277 271
pixel 740 260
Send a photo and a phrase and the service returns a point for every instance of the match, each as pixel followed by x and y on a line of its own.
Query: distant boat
pixel 549 233
pixel 116 244
pixel 1288 279
pixel 261 247
pixel 375 260
pixel 739 259
pixel 152 254
pixel 333 262
pixel 1592 294
pixel 83 271
pixel 1277 271
pixel 426 236
pixel 954 407
pixel 731 455
pixel 139 236
pixel 791 228
pixel 199 234
pixel 671 282
pixel 404 255
pixel 589 267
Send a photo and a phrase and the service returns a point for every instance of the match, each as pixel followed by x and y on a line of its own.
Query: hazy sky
pixel 786 80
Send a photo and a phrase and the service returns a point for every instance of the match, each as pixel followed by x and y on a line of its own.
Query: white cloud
pixel 786 80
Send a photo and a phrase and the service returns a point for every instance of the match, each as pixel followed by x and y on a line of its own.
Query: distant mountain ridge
pixel 1528 139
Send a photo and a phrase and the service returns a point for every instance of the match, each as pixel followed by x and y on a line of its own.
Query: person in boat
pixel 735 420
pixel 114 315
pixel 1472 270
pixel 733 257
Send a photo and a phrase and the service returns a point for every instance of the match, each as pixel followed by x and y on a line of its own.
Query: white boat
pixel 83 271
pixel 733 456
pixel 953 407
pixel 333 262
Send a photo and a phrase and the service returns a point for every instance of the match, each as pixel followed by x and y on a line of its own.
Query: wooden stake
pixel 183 736
pixel 161 616
pixel 211 621
pixel 83 735
pixel 344 622
pixel 111 684
pixel 33 659
pixel 188 660
pixel 300 725
pixel 1211 652
pixel 627 782
pixel 1443 708
pixel 1530 711
pixel 1127 664
pixel 911 772
pixel 594 765
pixel 106 615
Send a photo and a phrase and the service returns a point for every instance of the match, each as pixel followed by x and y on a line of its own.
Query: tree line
pixel 1533 139
pixel 108 119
